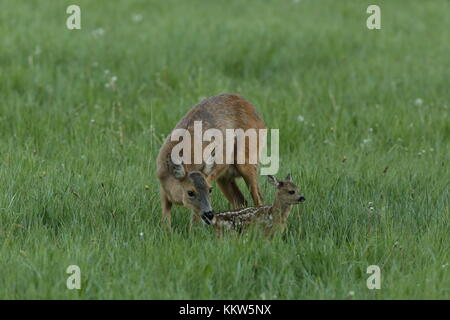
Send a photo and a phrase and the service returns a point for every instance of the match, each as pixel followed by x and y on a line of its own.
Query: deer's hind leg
pixel 250 174
pixel 231 191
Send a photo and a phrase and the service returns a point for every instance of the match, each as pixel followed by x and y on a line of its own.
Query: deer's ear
pixel 273 180
pixel 289 177
pixel 209 164
pixel 176 169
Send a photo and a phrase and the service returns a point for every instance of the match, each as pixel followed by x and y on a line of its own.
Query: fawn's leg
pixel 250 174
pixel 231 192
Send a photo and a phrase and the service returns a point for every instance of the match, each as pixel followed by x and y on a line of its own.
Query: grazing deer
pixel 190 184
pixel 271 218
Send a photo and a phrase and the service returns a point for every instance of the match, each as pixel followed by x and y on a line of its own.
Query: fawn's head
pixel 195 188
pixel 287 192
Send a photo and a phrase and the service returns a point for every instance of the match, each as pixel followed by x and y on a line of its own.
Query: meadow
pixel 364 130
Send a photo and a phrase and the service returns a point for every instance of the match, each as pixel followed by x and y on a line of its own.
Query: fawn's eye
pixel 210 190
pixel 191 193
pixel 291 191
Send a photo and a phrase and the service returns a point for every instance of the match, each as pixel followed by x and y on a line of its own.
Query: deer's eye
pixel 210 190
pixel 191 193
pixel 291 191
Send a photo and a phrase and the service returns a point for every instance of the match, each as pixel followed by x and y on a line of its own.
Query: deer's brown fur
pixel 225 111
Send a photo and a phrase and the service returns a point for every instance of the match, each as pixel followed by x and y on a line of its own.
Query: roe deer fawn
pixel 270 218
pixel 189 184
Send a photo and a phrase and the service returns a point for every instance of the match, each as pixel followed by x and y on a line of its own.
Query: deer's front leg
pixel 194 221
pixel 219 232
pixel 166 218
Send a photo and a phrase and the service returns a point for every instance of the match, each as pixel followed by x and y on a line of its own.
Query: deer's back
pixel 224 111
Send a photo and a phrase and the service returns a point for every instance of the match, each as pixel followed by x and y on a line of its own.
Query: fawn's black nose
pixel 301 199
pixel 207 217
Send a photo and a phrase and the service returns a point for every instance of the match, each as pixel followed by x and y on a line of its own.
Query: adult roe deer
pixel 190 184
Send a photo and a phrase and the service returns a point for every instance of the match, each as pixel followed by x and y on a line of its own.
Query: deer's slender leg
pixel 241 202
pixel 250 174
pixel 219 232
pixel 231 192
pixel 194 221
pixel 166 218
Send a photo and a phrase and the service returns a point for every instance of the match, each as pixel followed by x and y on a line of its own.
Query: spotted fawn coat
pixel 270 218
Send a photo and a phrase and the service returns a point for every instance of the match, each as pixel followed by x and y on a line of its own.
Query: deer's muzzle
pixel 207 217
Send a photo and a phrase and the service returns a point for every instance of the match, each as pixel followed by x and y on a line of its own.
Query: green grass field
pixel 364 129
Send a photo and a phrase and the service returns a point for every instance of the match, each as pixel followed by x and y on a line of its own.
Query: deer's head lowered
pixel 194 188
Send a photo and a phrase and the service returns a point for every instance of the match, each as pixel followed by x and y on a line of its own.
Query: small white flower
pixel 300 118
pixel 351 293
pixel 92 120
pixel 111 83
pixel 37 51
pixel 141 234
pixel 445 265
pixel 370 129
pixel 136 17
pixel 366 141
pixel 418 102
pixel 98 32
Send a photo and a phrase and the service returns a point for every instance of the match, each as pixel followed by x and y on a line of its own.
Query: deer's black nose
pixel 207 217
pixel 301 199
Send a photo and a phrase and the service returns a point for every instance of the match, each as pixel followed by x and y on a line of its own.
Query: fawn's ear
pixel 273 180
pixel 176 169
pixel 289 177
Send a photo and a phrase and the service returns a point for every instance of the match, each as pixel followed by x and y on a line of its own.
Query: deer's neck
pixel 280 211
